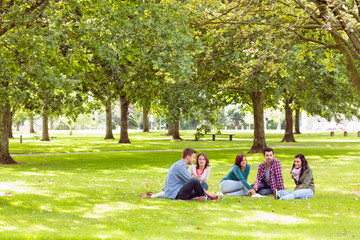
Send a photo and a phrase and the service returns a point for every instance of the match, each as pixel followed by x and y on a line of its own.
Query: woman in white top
pixel 200 170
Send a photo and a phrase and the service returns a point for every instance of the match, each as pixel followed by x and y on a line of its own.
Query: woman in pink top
pixel 201 170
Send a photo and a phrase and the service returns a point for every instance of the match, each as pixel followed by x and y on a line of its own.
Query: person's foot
pixel 3 194
pixel 143 196
pixel 212 196
pixel 276 194
pixel 199 199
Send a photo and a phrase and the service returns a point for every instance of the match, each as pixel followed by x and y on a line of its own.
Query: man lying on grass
pixel 180 185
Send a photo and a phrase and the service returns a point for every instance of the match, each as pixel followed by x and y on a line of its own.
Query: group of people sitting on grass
pixel 191 183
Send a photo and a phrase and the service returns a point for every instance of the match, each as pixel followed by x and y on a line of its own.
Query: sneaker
pixel 213 198
pixel 276 194
pixel 199 199
pixel 256 195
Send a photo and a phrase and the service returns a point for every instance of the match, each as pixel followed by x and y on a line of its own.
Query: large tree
pixel 17 19
pixel 329 24
pixel 135 39
pixel 320 88
pixel 241 58
pixel 31 33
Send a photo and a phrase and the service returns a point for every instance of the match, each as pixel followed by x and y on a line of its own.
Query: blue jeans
pixel 263 188
pixel 233 188
pixel 301 194
pixel 205 186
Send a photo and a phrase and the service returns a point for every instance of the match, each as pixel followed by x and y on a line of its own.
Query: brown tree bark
pixel 10 124
pixel 45 121
pixel 289 135
pixel 146 109
pixel 349 49
pixel 176 133
pixel 5 157
pixel 45 126
pixel 32 123
pixel 349 60
pixel 124 104
pixel 109 133
pixel 170 129
pixel 259 143
pixel 297 120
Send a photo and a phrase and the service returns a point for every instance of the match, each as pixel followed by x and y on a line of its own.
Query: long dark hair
pixel 239 158
pixel 304 163
pixel 206 158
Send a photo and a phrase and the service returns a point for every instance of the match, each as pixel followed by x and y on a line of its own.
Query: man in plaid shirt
pixel 269 176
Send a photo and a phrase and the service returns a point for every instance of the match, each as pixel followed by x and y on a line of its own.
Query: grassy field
pixel 95 195
pixel 64 143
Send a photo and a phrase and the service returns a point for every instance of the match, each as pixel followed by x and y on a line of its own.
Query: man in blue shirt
pixel 179 184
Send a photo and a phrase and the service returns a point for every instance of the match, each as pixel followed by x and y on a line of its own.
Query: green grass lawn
pixel 64 143
pixel 95 195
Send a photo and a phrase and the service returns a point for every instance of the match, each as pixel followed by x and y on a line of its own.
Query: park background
pixel 179 70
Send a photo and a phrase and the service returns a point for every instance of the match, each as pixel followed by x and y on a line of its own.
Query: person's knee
pixel 195 180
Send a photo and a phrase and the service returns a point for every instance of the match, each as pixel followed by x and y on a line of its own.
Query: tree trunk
pixel 45 125
pixel 297 120
pixel 124 104
pixel 5 157
pixel 176 133
pixel 51 123
pixel 146 109
pixel 259 143
pixel 109 133
pixel 32 123
pixel 18 126
pixel 351 64
pixel 10 124
pixel 289 135
pixel 170 129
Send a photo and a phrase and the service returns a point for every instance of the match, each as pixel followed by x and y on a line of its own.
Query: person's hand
pixel 198 176
pixel 252 192
pixel 255 187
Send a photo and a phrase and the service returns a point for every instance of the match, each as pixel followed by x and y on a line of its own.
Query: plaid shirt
pixel 276 178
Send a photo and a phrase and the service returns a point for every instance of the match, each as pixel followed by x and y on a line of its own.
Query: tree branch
pixel 28 11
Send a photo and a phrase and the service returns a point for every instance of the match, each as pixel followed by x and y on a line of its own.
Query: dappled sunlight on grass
pixel 275 218
pixel 7 228
pixel 102 210
pixel 96 195
pixel 19 187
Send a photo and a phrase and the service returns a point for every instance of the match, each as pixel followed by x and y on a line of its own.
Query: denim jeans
pixel 263 188
pixel 191 189
pixel 205 186
pixel 301 194
pixel 161 194
pixel 232 188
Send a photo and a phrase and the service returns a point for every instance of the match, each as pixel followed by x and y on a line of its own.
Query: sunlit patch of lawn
pixel 95 195
pixel 157 140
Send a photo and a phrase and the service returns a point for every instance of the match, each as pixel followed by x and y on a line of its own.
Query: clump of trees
pixel 177 58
